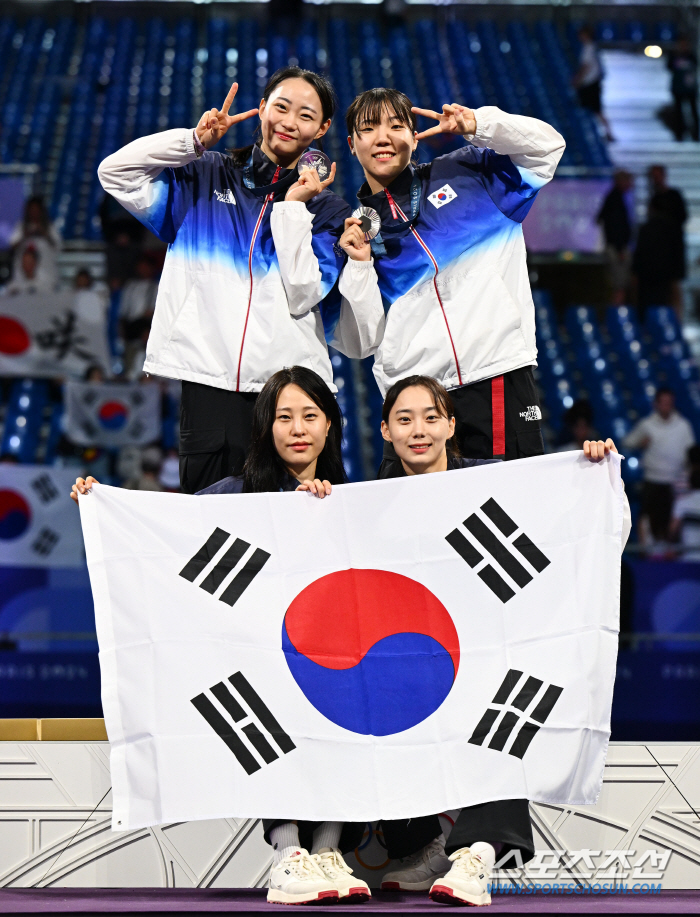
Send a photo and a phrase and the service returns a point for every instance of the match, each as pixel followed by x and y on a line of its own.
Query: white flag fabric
pixel 399 648
pixel 112 414
pixel 37 528
pixel 49 335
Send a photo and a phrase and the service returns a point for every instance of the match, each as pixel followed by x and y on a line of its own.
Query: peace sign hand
pixel 308 185
pixel 214 123
pixel 455 119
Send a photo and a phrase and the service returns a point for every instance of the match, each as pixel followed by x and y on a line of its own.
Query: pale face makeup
pixel 384 149
pixel 418 431
pixel 299 432
pixel 290 120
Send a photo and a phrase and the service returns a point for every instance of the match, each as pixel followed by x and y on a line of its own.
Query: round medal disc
pixel 371 224
pixel 315 159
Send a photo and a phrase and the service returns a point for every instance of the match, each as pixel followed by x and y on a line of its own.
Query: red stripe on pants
pixel 498 414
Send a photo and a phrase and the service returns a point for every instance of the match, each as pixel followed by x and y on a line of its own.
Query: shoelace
pixel 331 862
pixel 466 861
pixel 424 855
pixel 302 865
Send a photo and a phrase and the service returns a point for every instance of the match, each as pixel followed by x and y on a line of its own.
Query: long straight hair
pixel 324 91
pixel 264 471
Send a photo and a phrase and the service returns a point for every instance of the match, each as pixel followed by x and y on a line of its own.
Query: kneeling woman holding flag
pixel 418 419
pixel 296 445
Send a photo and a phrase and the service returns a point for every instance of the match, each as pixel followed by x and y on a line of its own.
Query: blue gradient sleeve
pixel 172 197
pixel 512 189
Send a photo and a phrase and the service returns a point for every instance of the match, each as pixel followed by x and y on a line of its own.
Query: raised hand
pixel 82 486
pixel 595 450
pixel 214 123
pixel 454 119
pixel 353 241
pixel 308 185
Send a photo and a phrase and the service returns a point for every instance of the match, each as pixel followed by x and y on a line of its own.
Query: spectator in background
pixel 588 79
pixel 169 477
pixel 151 460
pixel 37 230
pixel 616 219
pixel 83 279
pixel 685 524
pixel 657 263
pixel 578 426
pixel 671 203
pixel 136 307
pixel 664 437
pixel 683 64
pixel 27 277
pixel 124 237
pixel 90 302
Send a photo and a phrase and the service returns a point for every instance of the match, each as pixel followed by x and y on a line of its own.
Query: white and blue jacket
pixel 245 276
pixel 454 283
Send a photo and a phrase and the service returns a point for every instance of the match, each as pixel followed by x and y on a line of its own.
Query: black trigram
pixel 220 570
pixel 44 488
pixel 45 542
pixel 518 714
pixel 499 549
pixel 237 736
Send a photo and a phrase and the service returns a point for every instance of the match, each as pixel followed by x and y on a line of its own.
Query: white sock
pixel 285 840
pixel 327 835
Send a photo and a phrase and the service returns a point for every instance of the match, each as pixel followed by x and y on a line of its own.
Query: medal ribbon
pixel 264 190
pixel 377 243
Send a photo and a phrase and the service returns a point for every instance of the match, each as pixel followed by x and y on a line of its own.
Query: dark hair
pixel 367 108
pixel 695 479
pixel 324 90
pixel 579 410
pixel 264 471
pixel 45 219
pixel 441 397
pixel 664 390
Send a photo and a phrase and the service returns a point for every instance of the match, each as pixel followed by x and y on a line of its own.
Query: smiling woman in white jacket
pixel 252 256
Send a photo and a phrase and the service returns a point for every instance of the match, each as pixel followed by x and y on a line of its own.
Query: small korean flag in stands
pixel 442 196
pixel 35 529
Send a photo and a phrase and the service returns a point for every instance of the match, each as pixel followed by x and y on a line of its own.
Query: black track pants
pixel 495 418
pixel 215 427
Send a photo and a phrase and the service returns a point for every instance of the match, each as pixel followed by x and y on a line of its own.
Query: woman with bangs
pixel 418 419
pixel 254 247
pixel 451 263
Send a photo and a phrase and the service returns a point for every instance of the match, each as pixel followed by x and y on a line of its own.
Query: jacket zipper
pixel 394 206
pixel 250 275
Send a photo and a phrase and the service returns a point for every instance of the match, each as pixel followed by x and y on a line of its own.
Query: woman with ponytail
pixel 252 253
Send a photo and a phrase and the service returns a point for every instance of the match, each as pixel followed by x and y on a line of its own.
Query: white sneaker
pixel 339 874
pixel 297 879
pixel 418 872
pixel 468 880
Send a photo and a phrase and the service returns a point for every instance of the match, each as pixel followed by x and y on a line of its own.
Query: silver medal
pixel 370 222
pixel 315 159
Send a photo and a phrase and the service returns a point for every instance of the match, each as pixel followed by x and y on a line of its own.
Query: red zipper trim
pixel 437 292
pixel 250 274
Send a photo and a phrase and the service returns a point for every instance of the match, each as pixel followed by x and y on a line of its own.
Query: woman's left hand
pixel 595 450
pixel 318 488
pixel 309 185
pixel 454 119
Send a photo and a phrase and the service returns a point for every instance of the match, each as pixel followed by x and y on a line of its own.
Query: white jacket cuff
pixel 293 210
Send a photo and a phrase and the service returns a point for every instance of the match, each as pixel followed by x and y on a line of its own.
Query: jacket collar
pixel 400 189
pixel 264 168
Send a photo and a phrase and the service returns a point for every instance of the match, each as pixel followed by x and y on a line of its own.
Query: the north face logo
pixel 225 197
pixel 532 413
